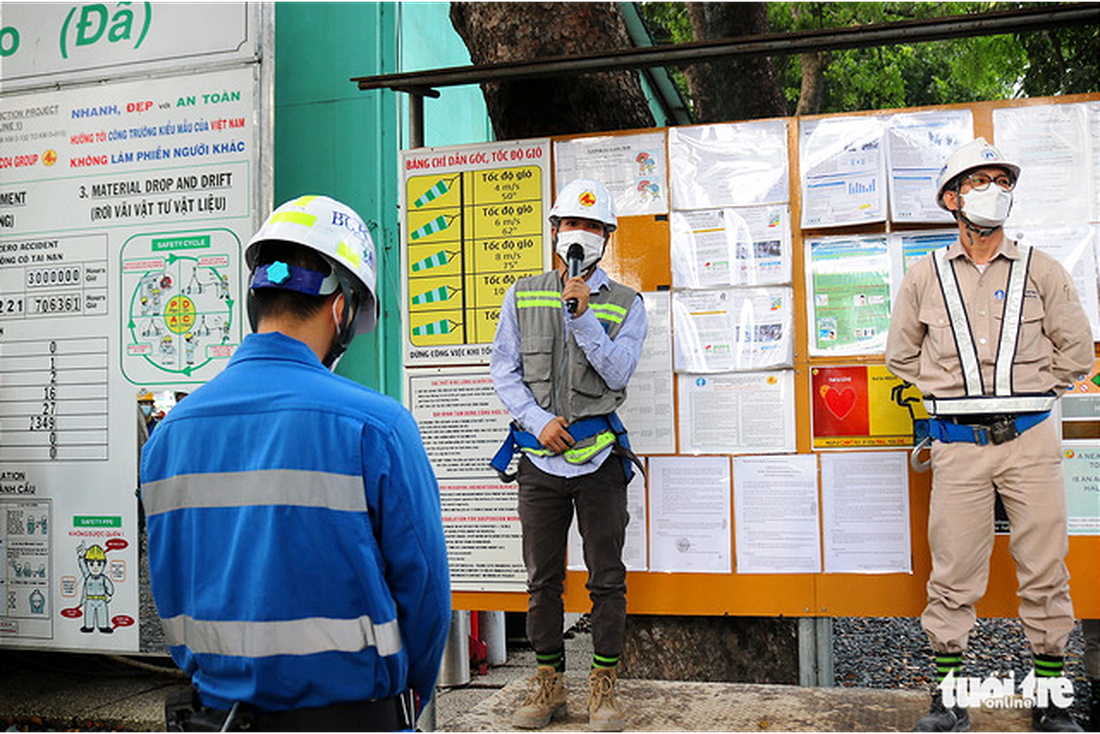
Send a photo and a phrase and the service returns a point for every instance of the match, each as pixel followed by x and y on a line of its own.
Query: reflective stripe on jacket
pixel 296 548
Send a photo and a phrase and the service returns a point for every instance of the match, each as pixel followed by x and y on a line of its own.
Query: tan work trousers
pixel 1027 471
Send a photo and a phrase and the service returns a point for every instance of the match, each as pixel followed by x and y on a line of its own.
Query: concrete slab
pixel 675 706
pixel 62 699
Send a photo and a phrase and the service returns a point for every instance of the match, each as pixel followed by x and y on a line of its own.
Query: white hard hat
pixel 335 231
pixel 973 155
pixel 585 199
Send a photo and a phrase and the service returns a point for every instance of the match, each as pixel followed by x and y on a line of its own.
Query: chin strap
pixel 345 326
pixel 345 323
pixel 974 228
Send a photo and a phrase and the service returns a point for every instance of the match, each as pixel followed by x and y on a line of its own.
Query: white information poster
pixel 865 512
pixel 730 164
pixel 462 422
pixel 915 245
pixel 1049 143
pixel 775 509
pixel 647 411
pixel 483 534
pixel 848 293
pixel 843 171
pixel 737 413
pixel 1092 112
pixel 733 329
pixel 635 552
pixel 632 167
pixel 124 209
pixel 689 514
pixel 919 144
pixel 1081 464
pixel 1073 247
pixel 712 248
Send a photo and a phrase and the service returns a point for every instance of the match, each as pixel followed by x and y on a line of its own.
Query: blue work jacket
pixel 296 546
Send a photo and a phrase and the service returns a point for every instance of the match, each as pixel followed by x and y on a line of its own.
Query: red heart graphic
pixel 839 401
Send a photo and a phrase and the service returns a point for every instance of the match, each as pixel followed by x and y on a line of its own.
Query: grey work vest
pixel 1003 400
pixel 559 375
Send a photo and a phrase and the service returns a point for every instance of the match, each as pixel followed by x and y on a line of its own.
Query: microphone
pixel 574 257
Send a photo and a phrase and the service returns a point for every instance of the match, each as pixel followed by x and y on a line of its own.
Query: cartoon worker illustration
pixel 37 602
pixel 189 347
pixel 98 589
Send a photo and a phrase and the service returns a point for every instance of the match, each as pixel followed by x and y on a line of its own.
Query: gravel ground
pixel 894 653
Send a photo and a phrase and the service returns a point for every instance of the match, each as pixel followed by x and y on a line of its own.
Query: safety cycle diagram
pixel 180 319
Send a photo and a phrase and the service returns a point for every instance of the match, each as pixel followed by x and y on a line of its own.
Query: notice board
pixel 819 215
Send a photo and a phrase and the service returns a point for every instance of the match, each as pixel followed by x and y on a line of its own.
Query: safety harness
pixel 979 418
pixel 590 436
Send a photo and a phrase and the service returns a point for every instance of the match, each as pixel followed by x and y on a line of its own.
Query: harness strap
pixel 607 430
pixel 947 431
pixel 989 404
pixel 1011 318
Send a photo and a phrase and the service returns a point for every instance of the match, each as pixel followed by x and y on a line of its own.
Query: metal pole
pixel 825 661
pixel 807 652
pixel 491 625
pixel 815 652
pixel 826 39
pixel 426 721
pixel 454 670
pixel 416 120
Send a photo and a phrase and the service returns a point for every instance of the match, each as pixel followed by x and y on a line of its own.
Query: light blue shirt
pixel 614 360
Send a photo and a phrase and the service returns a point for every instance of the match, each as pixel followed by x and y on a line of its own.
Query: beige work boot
pixel 545 699
pixel 603 712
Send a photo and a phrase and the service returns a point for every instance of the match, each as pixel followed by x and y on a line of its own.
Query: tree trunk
pixel 499 32
pixel 737 88
pixel 812 94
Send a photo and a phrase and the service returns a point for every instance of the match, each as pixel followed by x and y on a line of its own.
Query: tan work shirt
pixel 1055 341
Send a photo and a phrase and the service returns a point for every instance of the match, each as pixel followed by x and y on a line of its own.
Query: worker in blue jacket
pixel 296 546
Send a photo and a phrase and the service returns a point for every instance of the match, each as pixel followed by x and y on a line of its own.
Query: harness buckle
pixel 1003 431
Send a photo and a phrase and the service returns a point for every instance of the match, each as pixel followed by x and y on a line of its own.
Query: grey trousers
pixel 546 504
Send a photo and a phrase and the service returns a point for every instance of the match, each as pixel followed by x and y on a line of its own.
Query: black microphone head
pixel 574 258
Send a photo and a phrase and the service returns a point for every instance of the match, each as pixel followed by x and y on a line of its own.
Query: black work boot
pixel 1094 705
pixel 1053 718
pixel 942 718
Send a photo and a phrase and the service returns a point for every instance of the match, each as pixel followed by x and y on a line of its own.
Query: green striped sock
pixel 1049 666
pixel 604 661
pixel 555 659
pixel 947 663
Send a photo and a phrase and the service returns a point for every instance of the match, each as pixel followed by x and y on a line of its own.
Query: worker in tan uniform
pixel 992 332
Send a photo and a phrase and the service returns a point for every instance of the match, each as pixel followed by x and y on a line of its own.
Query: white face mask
pixel 987 208
pixel 590 242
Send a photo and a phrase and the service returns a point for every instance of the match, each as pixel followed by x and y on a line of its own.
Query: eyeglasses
pixel 981 181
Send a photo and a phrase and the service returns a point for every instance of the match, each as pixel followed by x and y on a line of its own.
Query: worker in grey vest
pixel 566 345
pixel 992 332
